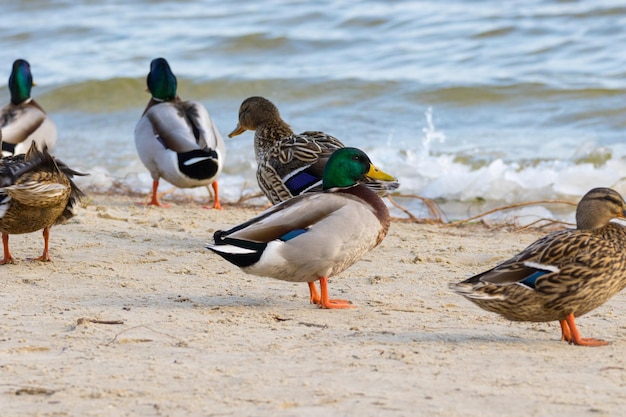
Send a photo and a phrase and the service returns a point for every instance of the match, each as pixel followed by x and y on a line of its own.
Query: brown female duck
pixel 289 164
pixel 562 276
pixel 36 192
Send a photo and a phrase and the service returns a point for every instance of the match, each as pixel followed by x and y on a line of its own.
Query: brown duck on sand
pixel 36 192
pixel 562 276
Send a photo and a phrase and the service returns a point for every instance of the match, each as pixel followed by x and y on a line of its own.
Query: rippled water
pixel 465 101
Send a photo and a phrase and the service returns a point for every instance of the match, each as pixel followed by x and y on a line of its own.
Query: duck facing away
pixel 23 121
pixel 313 236
pixel 289 164
pixel 36 192
pixel 177 140
pixel 562 276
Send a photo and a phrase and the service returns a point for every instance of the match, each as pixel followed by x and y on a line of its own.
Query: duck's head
pixel 161 80
pixel 253 112
pixel 598 207
pixel 347 167
pixel 20 81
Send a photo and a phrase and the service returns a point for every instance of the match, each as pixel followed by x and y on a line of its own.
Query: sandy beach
pixel 134 317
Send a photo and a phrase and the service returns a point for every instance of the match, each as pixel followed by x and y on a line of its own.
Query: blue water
pixel 474 103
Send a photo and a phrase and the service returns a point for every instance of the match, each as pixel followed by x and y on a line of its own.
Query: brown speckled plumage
pixel 564 275
pixel 36 192
pixel 281 154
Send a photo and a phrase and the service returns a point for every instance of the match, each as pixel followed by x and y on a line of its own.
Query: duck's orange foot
pixel 215 206
pixel 216 197
pixel 154 199
pixel 153 202
pixel 589 342
pixel 324 301
pixel 571 334
pixel 42 258
pixel 338 304
pixel 314 296
pixel 9 260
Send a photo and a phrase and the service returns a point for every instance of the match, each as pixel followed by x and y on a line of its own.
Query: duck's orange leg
pixel 325 302
pixel 575 335
pixel 216 197
pixel 566 335
pixel 154 201
pixel 8 259
pixel 45 257
pixel 314 295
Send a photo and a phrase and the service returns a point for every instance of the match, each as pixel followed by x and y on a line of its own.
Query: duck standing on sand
pixel 23 121
pixel 289 164
pixel 313 236
pixel 177 140
pixel 36 192
pixel 562 276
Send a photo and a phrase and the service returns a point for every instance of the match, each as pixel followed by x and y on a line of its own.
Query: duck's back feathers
pixel 295 165
pixel 289 164
pixel 37 191
pixel 306 237
pixel 179 142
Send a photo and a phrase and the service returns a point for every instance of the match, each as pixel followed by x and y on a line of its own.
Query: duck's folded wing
pixel 515 273
pixel 38 193
pixel 20 123
pixel 544 256
pixel 171 127
pixel 207 135
pixel 308 147
pixel 298 213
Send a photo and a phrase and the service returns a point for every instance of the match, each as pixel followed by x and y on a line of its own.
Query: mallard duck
pixel 23 121
pixel 36 192
pixel 177 140
pixel 313 236
pixel 562 276
pixel 289 164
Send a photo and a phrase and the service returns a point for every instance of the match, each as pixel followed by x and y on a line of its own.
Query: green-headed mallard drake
pixel 23 121
pixel 313 236
pixel 562 276
pixel 177 140
pixel 289 164
pixel 36 192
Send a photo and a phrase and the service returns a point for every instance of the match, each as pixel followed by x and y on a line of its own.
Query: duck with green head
pixel 177 140
pixel 23 121
pixel 313 236
pixel 562 276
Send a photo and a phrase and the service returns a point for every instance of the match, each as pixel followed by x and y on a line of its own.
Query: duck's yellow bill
pixel 376 174
pixel 238 131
